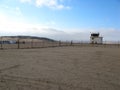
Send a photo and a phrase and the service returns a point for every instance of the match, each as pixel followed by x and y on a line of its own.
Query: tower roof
pixel 95 34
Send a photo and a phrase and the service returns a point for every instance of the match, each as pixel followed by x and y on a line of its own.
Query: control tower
pixel 96 39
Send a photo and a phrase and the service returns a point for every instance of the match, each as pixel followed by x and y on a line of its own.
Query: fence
pixel 44 44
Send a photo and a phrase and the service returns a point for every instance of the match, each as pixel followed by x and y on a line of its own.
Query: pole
pixel 1 43
pixel 118 43
pixel 32 43
pixel 59 43
pixel 71 43
pixel 18 43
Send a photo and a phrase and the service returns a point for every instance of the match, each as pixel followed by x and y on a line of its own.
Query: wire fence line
pixel 44 44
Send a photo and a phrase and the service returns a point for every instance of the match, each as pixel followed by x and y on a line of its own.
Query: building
pixel 96 39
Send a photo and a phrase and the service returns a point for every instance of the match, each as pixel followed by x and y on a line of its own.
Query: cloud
pixel 25 1
pixel 53 4
pixel 50 3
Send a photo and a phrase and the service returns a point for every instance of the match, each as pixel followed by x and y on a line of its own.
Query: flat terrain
pixel 60 68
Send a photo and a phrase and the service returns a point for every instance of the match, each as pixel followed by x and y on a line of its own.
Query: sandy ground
pixel 60 68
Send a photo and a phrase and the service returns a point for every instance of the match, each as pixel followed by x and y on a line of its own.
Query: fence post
pixel 43 43
pixel 59 43
pixel 32 43
pixel 1 43
pixel 66 43
pixel 18 43
pixel 105 43
pixel 118 43
pixel 82 43
pixel 52 44
pixel 71 43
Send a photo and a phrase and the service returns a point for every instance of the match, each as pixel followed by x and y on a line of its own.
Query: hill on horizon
pixel 26 37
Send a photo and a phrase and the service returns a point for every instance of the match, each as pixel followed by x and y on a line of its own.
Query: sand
pixel 60 68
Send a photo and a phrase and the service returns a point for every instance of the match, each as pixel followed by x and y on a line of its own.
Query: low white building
pixel 96 39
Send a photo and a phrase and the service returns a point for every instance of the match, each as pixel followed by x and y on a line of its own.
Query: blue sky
pixel 61 19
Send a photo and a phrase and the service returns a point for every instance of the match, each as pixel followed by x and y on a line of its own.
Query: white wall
pixel 98 40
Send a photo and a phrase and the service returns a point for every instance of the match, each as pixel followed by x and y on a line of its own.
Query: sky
pixel 61 19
